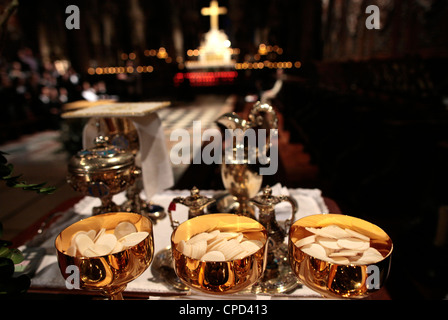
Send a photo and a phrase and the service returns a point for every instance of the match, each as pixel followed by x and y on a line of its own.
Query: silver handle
pixel 295 208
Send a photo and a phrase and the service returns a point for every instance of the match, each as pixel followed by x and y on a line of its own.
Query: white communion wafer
pixel 228 248
pixel 91 243
pixel 333 231
pixel 304 241
pixel 99 234
pixel 213 234
pixel 118 247
pixel 216 243
pixel 184 247
pixel 353 244
pixel 213 256
pixel 89 253
pixel 371 255
pixel 134 238
pixel 228 235
pixel 368 259
pixel 91 234
pixel 240 237
pixel 373 251
pixel 106 243
pixel 236 253
pixel 340 246
pixel 198 249
pixel 315 250
pixel 340 260
pixel 100 250
pixel 329 243
pixel 199 237
pixel 83 242
pixel 229 245
pixel 123 229
pixel 251 246
pixel 356 234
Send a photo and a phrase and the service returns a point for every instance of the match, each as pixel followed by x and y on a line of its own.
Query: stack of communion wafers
pixel 95 244
pixel 337 245
pixel 218 246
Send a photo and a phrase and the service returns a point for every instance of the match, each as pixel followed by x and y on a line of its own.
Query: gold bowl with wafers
pixel 339 256
pixel 219 253
pixel 103 253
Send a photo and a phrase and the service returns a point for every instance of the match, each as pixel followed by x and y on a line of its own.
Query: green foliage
pixel 9 257
pixel 6 174
pixel 9 284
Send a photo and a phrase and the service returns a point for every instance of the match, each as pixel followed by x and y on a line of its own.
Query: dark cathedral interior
pixel 367 108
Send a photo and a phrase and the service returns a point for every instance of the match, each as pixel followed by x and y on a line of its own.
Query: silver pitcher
pixel 240 171
pixel 195 202
pixel 278 277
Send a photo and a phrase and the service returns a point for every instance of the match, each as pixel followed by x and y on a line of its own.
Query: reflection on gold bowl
pixel 107 274
pixel 223 277
pixel 335 280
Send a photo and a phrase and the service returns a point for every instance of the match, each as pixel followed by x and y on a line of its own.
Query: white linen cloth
pixel 49 276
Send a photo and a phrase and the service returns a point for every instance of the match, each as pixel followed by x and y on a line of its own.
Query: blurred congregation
pixel 33 93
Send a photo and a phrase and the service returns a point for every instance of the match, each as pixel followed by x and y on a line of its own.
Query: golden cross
pixel 213 11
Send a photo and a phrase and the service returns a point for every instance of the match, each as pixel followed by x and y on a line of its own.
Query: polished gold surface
pixel 224 277
pixel 107 274
pixel 334 280
pixel 116 181
pixel 121 133
pixel 243 182
pixel 102 157
pixel 102 172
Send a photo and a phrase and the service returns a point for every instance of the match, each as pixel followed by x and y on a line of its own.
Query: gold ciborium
pixel 219 277
pixel 108 274
pixel 240 165
pixel 122 134
pixel 335 279
pixel 102 172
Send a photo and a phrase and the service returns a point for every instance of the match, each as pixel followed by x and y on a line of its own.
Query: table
pixel 48 280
